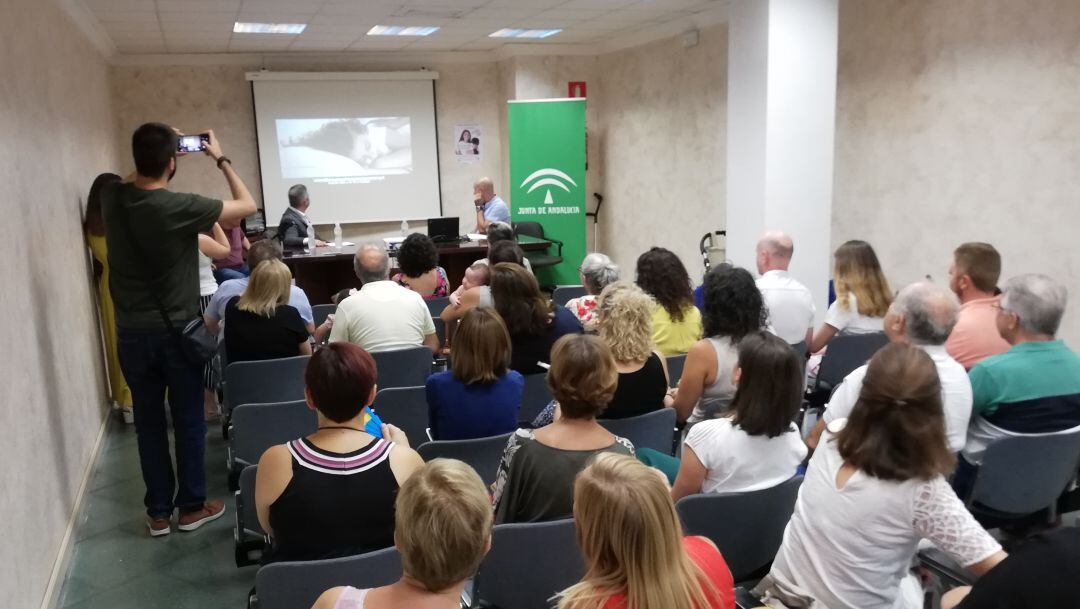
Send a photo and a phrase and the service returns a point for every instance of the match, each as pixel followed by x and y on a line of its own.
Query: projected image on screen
pixel 344 147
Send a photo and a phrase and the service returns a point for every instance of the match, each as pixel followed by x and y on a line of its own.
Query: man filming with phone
pixel 151 233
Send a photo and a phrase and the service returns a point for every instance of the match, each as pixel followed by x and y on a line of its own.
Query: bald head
pixel 484 189
pixel 371 263
pixel 923 313
pixel 774 251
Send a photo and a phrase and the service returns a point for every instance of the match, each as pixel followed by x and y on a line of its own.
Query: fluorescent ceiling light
pixel 520 33
pixel 268 28
pixel 400 30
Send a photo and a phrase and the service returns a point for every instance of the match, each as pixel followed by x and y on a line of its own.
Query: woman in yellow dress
pixel 94 227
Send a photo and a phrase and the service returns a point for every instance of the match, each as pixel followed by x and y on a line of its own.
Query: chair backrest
pixel 1024 474
pixel 291 585
pixel 675 365
pixel 534 397
pixel 847 352
pixel 265 381
pixel 482 454
pixel 247 517
pixel 407 367
pixel 440 329
pixel 747 527
pixel 257 427
pixel 405 407
pixel 566 293
pixel 528 564
pixel 436 305
pixel 802 352
pixel 655 430
pixel 320 311
pixel 530 229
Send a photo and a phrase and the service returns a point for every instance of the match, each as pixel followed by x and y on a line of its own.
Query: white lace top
pixel 850 547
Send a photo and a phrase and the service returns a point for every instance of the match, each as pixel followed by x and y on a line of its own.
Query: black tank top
pixel 638 392
pixel 337 504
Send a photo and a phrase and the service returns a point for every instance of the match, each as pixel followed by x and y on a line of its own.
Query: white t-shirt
pixel 738 462
pixel 207 284
pixel 382 315
pixel 850 320
pixel 955 395
pixel 851 547
pixel 790 304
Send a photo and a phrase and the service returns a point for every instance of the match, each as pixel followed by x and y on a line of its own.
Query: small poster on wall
pixel 467 143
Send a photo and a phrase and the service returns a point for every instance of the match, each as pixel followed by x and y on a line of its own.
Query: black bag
pixel 196 342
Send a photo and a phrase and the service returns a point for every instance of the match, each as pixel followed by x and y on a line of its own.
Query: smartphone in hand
pixel 193 143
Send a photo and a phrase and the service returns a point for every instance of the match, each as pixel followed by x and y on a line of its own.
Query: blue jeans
pixel 223 275
pixel 152 362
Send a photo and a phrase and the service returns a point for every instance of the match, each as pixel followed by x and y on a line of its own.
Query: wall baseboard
pixel 60 565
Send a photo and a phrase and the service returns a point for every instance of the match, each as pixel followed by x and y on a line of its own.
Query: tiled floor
pixel 115 564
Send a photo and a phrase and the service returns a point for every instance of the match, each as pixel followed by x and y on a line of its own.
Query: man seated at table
pixel 382 315
pixel 267 249
pixel 293 228
pixel 489 207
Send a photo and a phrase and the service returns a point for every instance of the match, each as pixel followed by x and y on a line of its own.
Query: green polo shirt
pixel 1031 388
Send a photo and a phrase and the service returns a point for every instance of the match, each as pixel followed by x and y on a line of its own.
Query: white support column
pixel 781 123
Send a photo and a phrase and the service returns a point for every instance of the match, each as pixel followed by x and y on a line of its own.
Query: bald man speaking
pixel 489 207
pixel 790 304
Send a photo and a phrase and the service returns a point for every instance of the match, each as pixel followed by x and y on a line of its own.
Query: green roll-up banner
pixel 547 177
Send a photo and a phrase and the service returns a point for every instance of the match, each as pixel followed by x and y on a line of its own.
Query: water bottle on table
pixel 311 239
pixel 337 236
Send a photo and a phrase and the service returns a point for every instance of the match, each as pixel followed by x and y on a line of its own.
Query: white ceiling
pixel 205 26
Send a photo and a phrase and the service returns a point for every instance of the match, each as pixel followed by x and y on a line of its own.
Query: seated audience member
pixel 233 266
pixel 536 474
pixel 790 303
pixel 1034 387
pixel 873 489
pixel 479 396
pixel 862 294
pixel 332 493
pixel 597 272
pixel 534 322
pixel 418 259
pixel 1041 573
pixel 973 277
pixel 676 321
pixel 633 545
pixel 260 324
pixel 733 309
pixel 497 233
pixel 292 231
pixel 625 316
pixel 923 314
pixel 443 532
pixel 267 249
pixel 757 445
pixel 480 295
pixel 382 315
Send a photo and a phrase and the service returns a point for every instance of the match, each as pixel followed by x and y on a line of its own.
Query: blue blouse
pixel 457 411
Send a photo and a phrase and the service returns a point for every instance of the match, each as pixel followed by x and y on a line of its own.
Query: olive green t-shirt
pixel 166 225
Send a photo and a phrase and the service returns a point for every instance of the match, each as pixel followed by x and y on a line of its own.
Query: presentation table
pixel 328 271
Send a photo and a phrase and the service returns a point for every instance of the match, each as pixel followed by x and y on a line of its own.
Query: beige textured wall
pixel 465 93
pixel 57 121
pixel 957 120
pixel 662 141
